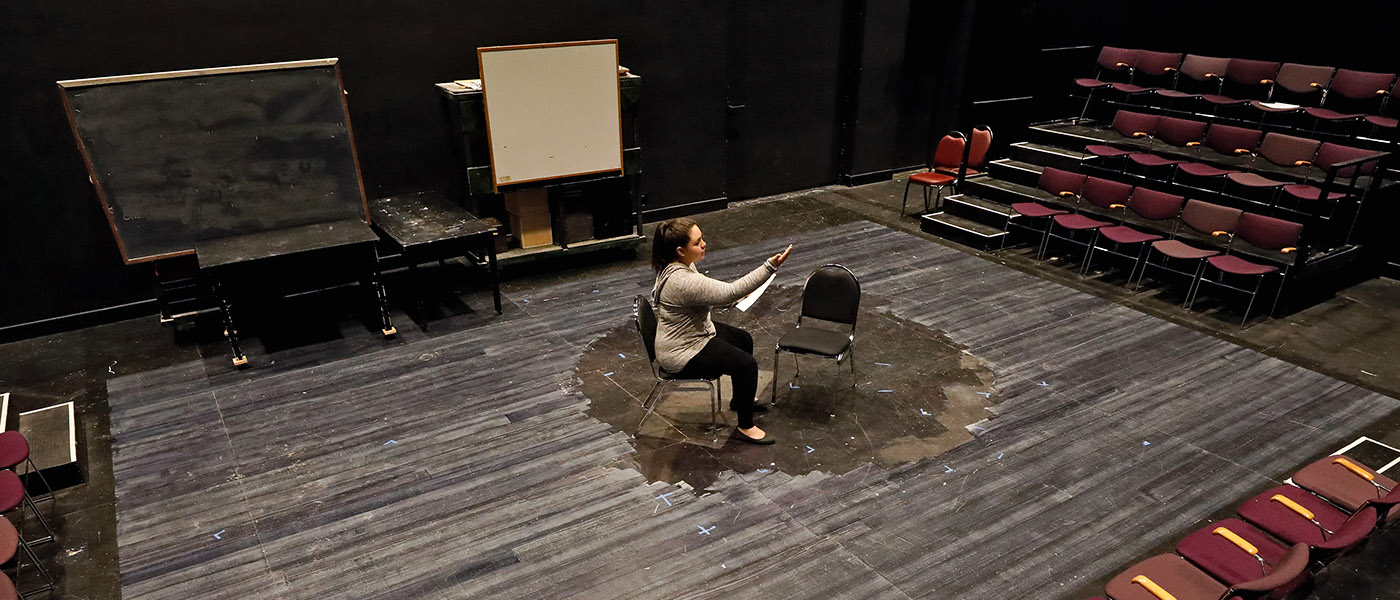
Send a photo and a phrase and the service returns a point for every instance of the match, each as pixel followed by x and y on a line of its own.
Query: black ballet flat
pixel 766 440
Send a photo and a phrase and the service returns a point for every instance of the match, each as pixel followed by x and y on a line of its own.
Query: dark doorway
pixel 782 126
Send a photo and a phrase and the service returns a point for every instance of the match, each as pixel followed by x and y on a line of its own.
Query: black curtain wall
pixel 739 99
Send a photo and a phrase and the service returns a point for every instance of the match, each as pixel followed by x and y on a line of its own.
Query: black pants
pixel 730 353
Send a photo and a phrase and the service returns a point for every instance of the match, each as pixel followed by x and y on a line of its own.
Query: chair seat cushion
pixel 931 178
pixel 1235 265
pixel 1079 222
pixel 1310 192
pixel 1379 121
pixel 1327 114
pixel 954 171
pixel 1177 94
pixel 1036 210
pixel 1253 180
pixel 1176 249
pixel 1169 571
pixel 1203 170
pixel 13 449
pixel 1227 562
pixel 1130 88
pixel 1106 151
pixel 1091 83
pixel 1217 99
pixel 1338 484
pixel 1287 525
pixel 1151 160
pixel 11 491
pixel 9 541
pixel 811 340
pixel 1128 235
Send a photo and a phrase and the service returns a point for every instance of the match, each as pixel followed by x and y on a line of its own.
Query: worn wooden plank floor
pixel 463 465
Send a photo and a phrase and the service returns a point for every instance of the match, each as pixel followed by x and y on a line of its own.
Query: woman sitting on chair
pixel 688 343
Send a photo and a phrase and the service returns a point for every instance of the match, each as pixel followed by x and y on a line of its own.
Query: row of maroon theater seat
pixel 1269 86
pixel 1164 219
pixel 1290 155
pixel 1336 503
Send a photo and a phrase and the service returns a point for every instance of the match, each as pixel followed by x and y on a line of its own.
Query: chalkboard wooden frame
pixel 492 141
pixel 68 88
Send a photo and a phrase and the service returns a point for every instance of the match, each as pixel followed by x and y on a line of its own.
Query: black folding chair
pixel 831 294
pixel 645 319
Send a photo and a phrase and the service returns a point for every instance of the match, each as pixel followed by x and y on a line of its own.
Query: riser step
pixel 1044 155
pixel 981 210
pixel 963 231
pixel 1015 171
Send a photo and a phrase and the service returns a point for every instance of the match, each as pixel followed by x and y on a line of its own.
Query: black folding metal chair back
pixel 832 295
pixel 645 320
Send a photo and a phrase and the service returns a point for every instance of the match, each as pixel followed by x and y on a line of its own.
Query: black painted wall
pixel 859 87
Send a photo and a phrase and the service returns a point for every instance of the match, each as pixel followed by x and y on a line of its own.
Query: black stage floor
pixel 1074 435
pixel 466 465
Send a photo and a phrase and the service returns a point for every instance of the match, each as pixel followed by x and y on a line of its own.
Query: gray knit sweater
pixel 683 298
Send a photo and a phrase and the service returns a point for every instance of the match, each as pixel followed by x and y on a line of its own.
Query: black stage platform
pixel 466 465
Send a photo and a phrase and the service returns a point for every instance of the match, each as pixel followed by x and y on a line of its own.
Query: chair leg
pixel 851 356
pixel 1195 287
pixel 648 403
pixel 773 400
pixel 1089 254
pixel 716 400
pixel 1282 278
pixel 1252 297
pixel 42 521
pixel 1044 241
pixel 905 205
pixel 1085 110
pixel 35 470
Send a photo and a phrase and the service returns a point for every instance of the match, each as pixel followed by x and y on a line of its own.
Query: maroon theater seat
pixel 1359 90
pixel 1164 573
pixel 1296 86
pixel 1233 551
pixel 1152 68
pixel 1247 79
pixel 1151 205
pixel 1204 74
pixel 1297 517
pixel 1112 61
pixel 1264 233
pixel 1129 125
pixel 1107 195
pixel 1329 157
pixel 1345 482
pixel 1203 217
pixel 1060 184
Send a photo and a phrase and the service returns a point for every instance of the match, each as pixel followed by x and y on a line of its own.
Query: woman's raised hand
pixel 780 257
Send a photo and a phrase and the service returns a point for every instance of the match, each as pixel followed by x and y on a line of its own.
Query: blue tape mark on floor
pixel 391 442
pixel 985 394
pixel 793 387
pixel 621 355
pixel 704 531
pixel 949 469
pixel 1043 384
pixel 925 413
pixel 764 471
pixel 883 364
pixel 1146 443
pixel 220 534
pixel 609 374
pixel 885 391
pixel 664 497
pixel 1001 455
pixel 811 449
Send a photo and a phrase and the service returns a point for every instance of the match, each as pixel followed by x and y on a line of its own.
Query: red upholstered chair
pixel 1220 140
pixel 1113 64
pixel 1284 151
pixel 977 151
pixel 1236 552
pixel 1203 75
pixel 1245 80
pixel 1264 233
pixel 1296 86
pixel 950 153
pixel 1152 71
pixel 1340 165
pixel 1295 516
pixel 1128 125
pixel 1202 217
pixel 1157 208
pixel 1346 482
pixel 1058 184
pixel 1107 195
pixel 1356 93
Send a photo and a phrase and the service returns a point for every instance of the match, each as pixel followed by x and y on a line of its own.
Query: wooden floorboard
pixel 463 465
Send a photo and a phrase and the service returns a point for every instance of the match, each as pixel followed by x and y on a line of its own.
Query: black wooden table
pixel 306 257
pixel 426 227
